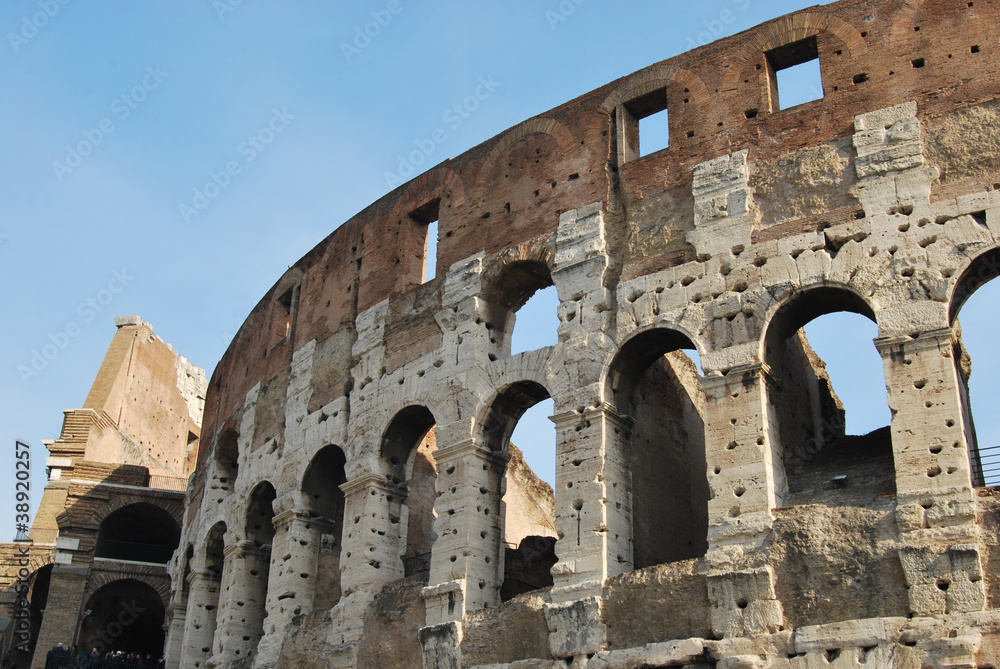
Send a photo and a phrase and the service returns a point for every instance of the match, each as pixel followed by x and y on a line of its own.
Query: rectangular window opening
pixel 794 74
pixel 426 217
pixel 283 315
pixel 647 127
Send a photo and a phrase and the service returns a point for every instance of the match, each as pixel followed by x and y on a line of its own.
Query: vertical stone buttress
pixel 592 491
pixel 936 508
pixel 746 475
pixel 466 560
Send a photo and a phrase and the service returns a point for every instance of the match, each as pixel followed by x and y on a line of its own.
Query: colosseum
pixel 357 502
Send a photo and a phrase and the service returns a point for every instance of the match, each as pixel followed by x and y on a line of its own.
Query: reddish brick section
pixel 511 189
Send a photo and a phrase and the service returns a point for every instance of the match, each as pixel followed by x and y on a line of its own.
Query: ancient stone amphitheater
pixel 357 502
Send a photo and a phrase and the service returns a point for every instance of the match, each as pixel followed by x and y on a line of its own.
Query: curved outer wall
pixel 884 194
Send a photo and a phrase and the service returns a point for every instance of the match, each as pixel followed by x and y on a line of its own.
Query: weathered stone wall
pixel 799 547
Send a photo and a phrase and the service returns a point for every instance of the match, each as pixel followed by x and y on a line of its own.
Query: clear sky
pixel 116 115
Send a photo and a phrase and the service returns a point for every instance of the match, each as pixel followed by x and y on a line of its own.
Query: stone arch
pixel 523 555
pixel 563 137
pixel 125 614
pixel 406 455
pixel 227 458
pixel 656 389
pixel 138 532
pixel 117 502
pixel 806 419
pixel 100 579
pixel 509 281
pixel 325 507
pixel 980 270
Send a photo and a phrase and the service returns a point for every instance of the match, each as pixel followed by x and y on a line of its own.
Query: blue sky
pixel 172 159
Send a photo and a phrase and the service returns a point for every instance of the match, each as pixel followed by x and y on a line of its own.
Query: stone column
pixel 466 560
pixel 174 645
pixel 244 600
pixel 61 622
pixel 935 500
pixel 371 554
pixel 933 476
pixel 202 613
pixel 747 480
pixel 292 581
pixel 593 502
pixel 746 474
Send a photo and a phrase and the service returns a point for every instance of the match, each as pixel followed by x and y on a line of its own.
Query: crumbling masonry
pixel 356 502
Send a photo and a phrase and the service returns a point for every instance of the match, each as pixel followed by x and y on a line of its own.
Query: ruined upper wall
pixel 504 197
pixel 145 406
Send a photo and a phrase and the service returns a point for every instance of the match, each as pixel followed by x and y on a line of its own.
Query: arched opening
pixel 656 385
pixel 203 617
pixel 138 533
pixel 325 500
pixel 976 297
pixel 518 283
pixel 408 455
pixel 257 564
pixel 524 529
pixel 227 457
pixel 125 615
pixel 822 461
pixel 537 322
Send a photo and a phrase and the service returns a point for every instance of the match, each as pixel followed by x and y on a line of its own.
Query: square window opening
pixel 794 74
pixel 426 218
pixel 647 127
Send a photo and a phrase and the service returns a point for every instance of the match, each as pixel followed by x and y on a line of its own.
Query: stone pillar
pixel 292 581
pixel 745 471
pixel 174 645
pixel 61 622
pixel 371 554
pixel 466 560
pixel 201 618
pixel 935 500
pixel 593 501
pixel 933 475
pixel 244 601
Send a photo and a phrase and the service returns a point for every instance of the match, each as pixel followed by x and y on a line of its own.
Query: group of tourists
pixel 61 657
